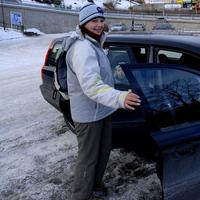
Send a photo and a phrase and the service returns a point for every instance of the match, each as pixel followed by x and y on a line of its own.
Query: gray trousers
pixel 94 146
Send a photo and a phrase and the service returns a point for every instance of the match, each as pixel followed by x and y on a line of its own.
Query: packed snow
pixel 9 34
pixel 122 4
pixel 34 30
pixel 37 150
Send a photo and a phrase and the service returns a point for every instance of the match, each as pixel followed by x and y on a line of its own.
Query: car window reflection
pixel 173 95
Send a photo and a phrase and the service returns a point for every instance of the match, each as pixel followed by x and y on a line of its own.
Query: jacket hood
pixel 70 38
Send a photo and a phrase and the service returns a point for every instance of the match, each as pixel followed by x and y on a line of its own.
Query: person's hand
pixel 131 101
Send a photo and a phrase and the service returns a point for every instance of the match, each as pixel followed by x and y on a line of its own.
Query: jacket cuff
pixel 122 97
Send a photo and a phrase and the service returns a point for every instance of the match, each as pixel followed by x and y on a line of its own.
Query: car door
pixel 125 121
pixel 171 109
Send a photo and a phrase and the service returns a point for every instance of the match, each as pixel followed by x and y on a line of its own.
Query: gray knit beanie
pixel 89 12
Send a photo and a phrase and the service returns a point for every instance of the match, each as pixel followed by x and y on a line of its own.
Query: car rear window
pixel 52 58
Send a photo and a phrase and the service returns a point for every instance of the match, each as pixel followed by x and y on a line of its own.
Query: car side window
pixel 168 56
pixel 176 57
pixel 116 58
pixel 140 54
pixel 190 61
pixel 172 95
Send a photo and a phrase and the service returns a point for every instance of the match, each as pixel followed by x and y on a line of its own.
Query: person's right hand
pixel 131 101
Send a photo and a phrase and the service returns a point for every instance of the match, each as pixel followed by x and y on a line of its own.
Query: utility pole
pixel 3 20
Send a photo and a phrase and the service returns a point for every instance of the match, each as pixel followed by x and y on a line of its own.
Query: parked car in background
pixel 138 27
pixel 118 27
pixel 163 27
pixel 161 19
pixel 164 70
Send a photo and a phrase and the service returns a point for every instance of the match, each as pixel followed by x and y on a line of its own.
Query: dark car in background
pixel 164 70
pixel 163 27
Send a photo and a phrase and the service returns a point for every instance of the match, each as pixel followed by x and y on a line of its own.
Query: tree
pixel 109 4
pixel 56 2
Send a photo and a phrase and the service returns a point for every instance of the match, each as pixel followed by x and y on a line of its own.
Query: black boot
pixel 100 190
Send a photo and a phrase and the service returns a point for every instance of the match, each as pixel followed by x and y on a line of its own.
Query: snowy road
pixel 37 152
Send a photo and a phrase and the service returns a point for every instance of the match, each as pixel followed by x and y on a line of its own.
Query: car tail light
pixel 46 59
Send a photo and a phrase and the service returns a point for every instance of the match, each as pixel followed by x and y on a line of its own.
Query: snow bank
pixel 9 34
pixel 33 32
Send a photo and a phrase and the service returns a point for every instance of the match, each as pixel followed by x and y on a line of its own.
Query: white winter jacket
pixel 90 81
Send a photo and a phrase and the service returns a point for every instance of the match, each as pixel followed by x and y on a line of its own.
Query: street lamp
pixel 3 20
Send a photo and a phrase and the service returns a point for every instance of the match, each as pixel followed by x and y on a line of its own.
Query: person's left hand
pixel 131 101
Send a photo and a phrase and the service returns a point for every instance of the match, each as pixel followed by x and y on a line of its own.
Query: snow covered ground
pixel 122 4
pixel 37 151
pixel 9 34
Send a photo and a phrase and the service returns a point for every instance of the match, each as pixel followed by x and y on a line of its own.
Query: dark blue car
pixel 165 71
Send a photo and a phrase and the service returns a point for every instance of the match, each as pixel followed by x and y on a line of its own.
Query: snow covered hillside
pixel 77 4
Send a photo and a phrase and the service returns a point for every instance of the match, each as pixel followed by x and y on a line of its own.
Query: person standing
pixel 92 101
